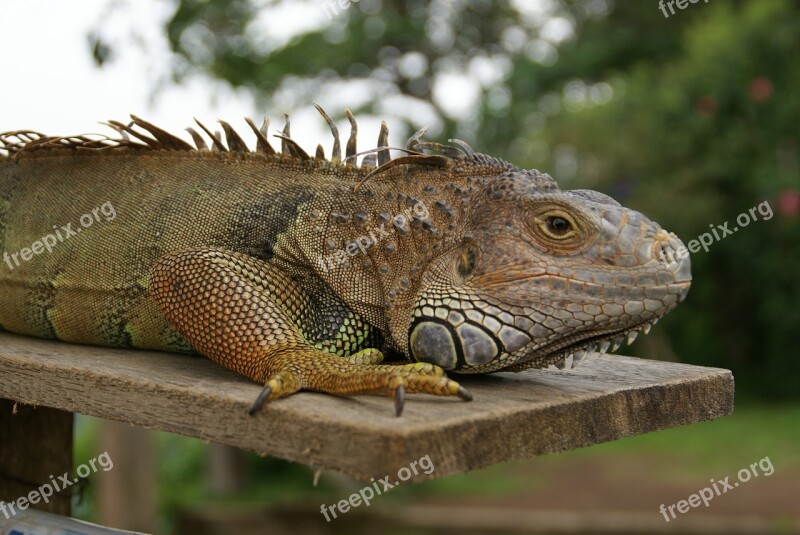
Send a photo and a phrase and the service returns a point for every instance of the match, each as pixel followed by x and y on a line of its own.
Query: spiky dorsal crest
pixel 141 135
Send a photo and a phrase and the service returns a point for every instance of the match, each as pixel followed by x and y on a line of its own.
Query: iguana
pixel 318 273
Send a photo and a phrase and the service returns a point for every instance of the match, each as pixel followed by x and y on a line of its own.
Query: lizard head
pixel 541 275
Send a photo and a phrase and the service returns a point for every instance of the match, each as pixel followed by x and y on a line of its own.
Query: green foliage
pixel 85 447
pixel 366 42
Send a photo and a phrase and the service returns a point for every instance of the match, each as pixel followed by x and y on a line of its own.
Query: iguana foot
pixel 375 357
pixel 322 372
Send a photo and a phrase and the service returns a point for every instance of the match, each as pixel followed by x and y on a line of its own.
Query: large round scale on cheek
pixel 433 343
pixel 479 347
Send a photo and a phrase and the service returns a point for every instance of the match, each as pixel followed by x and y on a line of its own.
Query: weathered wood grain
pixel 513 416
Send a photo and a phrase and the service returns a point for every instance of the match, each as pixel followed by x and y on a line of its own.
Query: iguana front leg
pixel 245 314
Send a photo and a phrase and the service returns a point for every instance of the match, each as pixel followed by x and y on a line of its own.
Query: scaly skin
pixel 308 273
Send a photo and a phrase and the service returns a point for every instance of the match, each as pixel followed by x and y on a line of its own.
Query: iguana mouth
pixel 570 355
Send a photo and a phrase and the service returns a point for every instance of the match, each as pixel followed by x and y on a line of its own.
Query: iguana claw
pixel 259 402
pixel 399 399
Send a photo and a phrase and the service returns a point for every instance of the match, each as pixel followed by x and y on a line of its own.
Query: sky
pixel 52 84
pixel 49 82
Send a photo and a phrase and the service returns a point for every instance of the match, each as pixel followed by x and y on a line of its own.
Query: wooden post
pixel 35 444
pixel 127 494
pixel 226 469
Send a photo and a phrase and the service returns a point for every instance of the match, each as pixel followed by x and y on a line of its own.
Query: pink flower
pixel 760 89
pixel 789 203
pixel 705 106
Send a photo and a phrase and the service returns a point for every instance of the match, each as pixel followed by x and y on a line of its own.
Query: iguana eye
pixel 558 225
pixel 559 229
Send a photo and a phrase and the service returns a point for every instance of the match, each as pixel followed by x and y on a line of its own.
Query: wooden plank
pixel 35 445
pixel 513 416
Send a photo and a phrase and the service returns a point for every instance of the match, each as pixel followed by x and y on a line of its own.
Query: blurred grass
pixel 751 433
